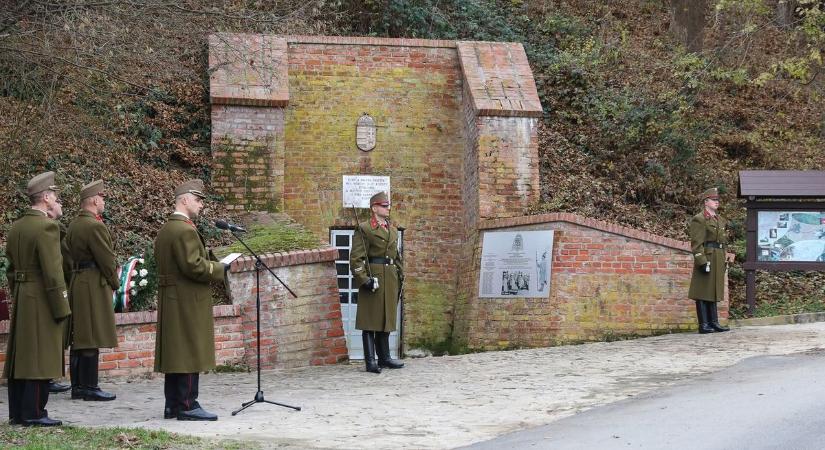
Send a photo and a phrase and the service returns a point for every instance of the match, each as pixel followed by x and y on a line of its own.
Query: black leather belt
pixel 714 245
pixel 85 265
pixel 385 261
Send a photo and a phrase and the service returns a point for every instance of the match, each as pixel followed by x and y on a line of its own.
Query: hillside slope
pixel 634 128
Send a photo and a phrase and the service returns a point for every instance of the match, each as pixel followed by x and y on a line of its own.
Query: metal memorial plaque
pixel 365 133
pixel 516 264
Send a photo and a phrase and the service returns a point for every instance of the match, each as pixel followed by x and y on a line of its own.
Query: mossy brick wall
pixel 248 156
pixel 437 106
pixel 414 96
pixel 607 281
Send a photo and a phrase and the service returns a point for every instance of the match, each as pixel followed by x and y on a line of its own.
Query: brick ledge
pixel 357 40
pixel 585 222
pixel 139 317
pixel 284 259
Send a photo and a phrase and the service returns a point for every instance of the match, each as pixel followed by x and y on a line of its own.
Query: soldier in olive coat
pixel 377 267
pixel 708 241
pixel 94 278
pixel 55 213
pixel 34 352
pixel 185 340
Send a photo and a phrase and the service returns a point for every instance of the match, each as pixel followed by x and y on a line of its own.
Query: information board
pixel 516 264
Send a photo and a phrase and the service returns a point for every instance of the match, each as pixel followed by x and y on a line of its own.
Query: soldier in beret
pixel 34 352
pixel 94 278
pixel 708 242
pixel 185 339
pixel 378 269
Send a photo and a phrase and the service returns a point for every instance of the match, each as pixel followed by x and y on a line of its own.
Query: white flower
pixel 131 284
pixel 143 282
pixel 144 272
pixel 133 291
pixel 133 273
pixel 140 261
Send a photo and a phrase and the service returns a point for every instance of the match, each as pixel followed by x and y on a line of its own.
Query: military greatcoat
pixel 39 299
pixel 376 310
pixel 185 339
pixel 708 286
pixel 93 280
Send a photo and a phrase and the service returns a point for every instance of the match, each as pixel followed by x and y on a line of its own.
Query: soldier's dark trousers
pixel 181 391
pixel 27 399
pixel 74 363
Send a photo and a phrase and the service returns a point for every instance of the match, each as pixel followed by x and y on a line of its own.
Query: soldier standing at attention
pixel 185 339
pixel 708 241
pixel 55 213
pixel 94 278
pixel 34 352
pixel 378 269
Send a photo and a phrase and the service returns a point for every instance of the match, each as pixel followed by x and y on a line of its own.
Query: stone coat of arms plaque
pixel 365 133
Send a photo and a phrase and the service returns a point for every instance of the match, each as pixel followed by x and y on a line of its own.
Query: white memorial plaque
pixel 358 189
pixel 515 264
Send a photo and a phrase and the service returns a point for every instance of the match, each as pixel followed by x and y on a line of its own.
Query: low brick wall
pixel 607 281
pixel 294 331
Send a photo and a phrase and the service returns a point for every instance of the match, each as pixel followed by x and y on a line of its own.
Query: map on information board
pixel 791 236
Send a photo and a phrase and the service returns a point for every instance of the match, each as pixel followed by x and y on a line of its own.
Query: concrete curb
pixel 779 320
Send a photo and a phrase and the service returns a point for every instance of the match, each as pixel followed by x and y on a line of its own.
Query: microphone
pixel 223 225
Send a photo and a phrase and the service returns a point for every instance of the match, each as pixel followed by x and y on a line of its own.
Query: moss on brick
pixel 275 237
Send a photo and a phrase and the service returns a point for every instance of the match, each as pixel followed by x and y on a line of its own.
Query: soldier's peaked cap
pixel 40 183
pixel 194 186
pixel 712 193
pixel 380 199
pixel 91 189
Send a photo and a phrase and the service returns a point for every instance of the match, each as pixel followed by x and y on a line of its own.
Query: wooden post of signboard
pixel 750 259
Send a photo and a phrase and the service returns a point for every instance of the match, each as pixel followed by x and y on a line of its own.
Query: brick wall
pixel 436 104
pixel 606 281
pixel 248 156
pixel 294 332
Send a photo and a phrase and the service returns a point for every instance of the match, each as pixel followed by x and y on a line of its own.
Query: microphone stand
pixel 259 396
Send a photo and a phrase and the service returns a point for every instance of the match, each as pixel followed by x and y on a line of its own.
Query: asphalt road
pixel 764 402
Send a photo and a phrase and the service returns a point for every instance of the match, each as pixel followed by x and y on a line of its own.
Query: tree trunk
pixel 785 13
pixel 688 23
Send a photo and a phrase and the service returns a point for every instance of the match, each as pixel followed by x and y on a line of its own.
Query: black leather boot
pixel 369 351
pixel 383 343
pixel 702 317
pixel 89 389
pixel 713 318
pixel 56 388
